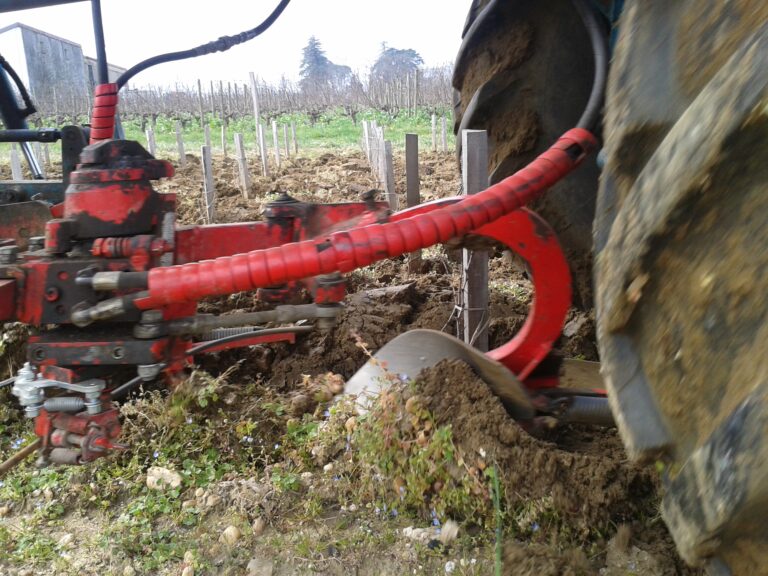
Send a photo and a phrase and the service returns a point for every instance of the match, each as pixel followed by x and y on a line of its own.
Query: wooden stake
pixel 39 155
pixel 474 270
pixel 224 140
pixel 389 176
pixel 151 141
pixel 47 154
pixel 255 98
pixel 209 191
pixel 285 141
pixel 434 132
pixel 295 141
pixel 207 134
pixel 412 184
pixel 180 146
pixel 366 141
pixel 445 135
pixel 263 150
pixel 276 143
pixel 16 173
pixel 242 165
pixel 200 102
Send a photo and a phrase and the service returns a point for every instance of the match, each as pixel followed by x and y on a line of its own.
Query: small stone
pixel 212 500
pixel 352 508
pixel 4 511
pixel 328 467
pixel 323 394
pixel 301 404
pixel 189 557
pixel 188 504
pixel 450 566
pixel 129 571
pixel 199 493
pixel 259 525
pixel 48 494
pixel 188 571
pixel 259 567
pixel 449 532
pixel 335 383
pixel 159 478
pixel 306 475
pixel 350 424
pixel 230 535
pixel 65 540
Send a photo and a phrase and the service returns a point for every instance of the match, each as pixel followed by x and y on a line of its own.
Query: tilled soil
pixel 577 478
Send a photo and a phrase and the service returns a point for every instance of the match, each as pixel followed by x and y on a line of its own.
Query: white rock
pixel 188 571
pixel 129 571
pixel 230 535
pixel 189 557
pixel 449 532
pixel 328 467
pixel 159 478
pixel 4 511
pixel 65 540
pixel 199 493
pixel 450 566
pixel 259 525
pixel 259 567
pixel 48 494
pixel 352 507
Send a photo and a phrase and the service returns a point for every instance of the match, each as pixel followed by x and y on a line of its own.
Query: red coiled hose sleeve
pixel 104 110
pixel 350 249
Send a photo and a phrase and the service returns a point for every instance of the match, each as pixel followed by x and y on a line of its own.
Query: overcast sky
pixel 351 32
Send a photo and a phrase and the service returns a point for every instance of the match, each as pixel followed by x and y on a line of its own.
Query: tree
pixel 393 63
pixel 318 72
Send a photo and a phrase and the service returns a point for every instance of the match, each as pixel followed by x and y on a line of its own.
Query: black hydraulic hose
pixel 599 40
pixel 29 106
pixel 204 346
pixel 101 49
pixel 220 45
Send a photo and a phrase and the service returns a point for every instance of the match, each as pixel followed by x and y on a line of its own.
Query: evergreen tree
pixel 393 63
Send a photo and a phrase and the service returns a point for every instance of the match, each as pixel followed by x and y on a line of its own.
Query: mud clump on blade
pixel 578 491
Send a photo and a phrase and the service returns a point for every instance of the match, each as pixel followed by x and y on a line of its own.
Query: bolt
pixel 9 254
pixel 52 294
pixel 118 352
pixel 151 316
pixel 39 354
pixel 36 243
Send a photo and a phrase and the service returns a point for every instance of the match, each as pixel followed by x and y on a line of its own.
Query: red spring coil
pixel 358 247
pixel 104 110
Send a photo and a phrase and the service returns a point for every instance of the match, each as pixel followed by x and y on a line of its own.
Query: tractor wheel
pixel 681 267
pixel 524 73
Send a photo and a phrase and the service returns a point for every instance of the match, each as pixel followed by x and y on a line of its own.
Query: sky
pixel 350 31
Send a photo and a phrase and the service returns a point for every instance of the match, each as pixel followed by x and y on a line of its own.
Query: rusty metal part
pixel 682 267
pixel 19 457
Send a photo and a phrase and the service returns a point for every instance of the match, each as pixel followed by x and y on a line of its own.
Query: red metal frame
pixel 119 223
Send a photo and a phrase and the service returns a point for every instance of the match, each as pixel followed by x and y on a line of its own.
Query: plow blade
pixel 407 355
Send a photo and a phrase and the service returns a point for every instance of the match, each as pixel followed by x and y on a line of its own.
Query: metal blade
pixel 408 354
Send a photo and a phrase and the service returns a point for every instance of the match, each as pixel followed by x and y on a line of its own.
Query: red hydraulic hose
pixel 358 247
pixel 103 115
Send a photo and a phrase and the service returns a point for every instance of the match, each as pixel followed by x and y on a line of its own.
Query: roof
pixel 37 31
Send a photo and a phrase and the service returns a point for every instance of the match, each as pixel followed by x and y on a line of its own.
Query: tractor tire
pixel 681 267
pixel 524 74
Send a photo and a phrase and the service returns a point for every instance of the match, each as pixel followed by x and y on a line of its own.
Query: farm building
pixel 53 69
